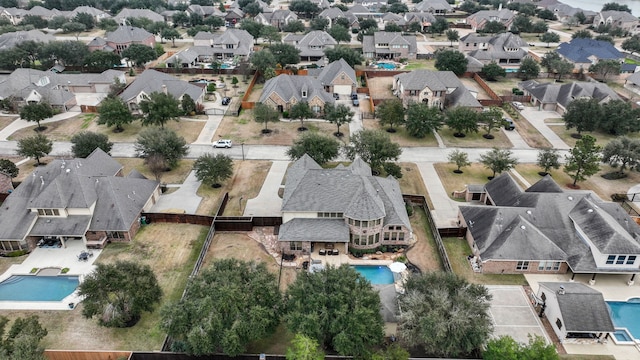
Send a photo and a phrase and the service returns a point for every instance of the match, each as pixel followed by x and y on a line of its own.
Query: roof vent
pixel 67 171
pixel 523 227
pixel 589 211
pixel 570 198
pixel 561 290
pixel 529 212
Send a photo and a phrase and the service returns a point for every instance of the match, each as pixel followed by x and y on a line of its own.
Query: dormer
pixel 304 92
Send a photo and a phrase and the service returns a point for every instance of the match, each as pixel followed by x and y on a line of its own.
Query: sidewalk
pixel 20 124
pixel 445 212
pixel 268 203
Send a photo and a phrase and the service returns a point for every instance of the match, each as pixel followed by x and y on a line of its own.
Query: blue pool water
pixel 225 66
pixel 377 275
pixel 37 288
pixel 387 66
pixel 626 314
pixel 622 335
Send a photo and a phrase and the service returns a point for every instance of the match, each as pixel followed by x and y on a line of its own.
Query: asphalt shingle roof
pixel 152 81
pixel 314 230
pixel 418 80
pixel 331 71
pixel 565 93
pixel 290 87
pixel 580 50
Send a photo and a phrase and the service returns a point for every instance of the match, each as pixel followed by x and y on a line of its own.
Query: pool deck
pixel 613 288
pixel 42 258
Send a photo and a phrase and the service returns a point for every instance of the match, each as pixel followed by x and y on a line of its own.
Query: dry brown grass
pixel 245 129
pixel 474 174
pixel 475 140
pixel 503 86
pixel 601 138
pixel 380 87
pixel 171 251
pixel 175 176
pixel 423 253
pixel 471 84
pixel 29 166
pixel 401 136
pixel 6 120
pixel 246 181
pixel 411 181
pixel 530 134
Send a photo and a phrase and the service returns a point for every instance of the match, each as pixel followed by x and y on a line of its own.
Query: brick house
pixel 121 38
pixel 481 18
pixel 337 78
pixel 389 45
pixel 545 229
pixel 284 91
pixel 618 19
pixel 435 88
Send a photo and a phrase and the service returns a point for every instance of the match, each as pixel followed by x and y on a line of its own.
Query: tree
pixel 265 114
pixel 263 59
pixel 460 159
pixel 505 348
pixel 452 35
pixel 605 67
pixel 632 44
pixel 615 6
pixel 101 60
pixel 462 120
pixel 368 23
pixel 294 26
pixel 241 302
pixel 319 23
pixel 301 111
pixel 305 7
pixel 159 108
pixel 373 147
pixel 548 158
pixel 304 348
pixel 498 160
pixel 562 67
pixel 35 21
pixel 550 37
pixel 36 112
pixel 212 169
pixel 338 115
pixel 398 8
pixel 493 71
pixel 390 112
pixel 252 9
pixel 214 22
pixel 580 17
pixel 582 34
pixel 36 146
pixel 451 60
pixel 139 54
pixel 439 26
pixel 340 33
pixel 119 293
pixel 188 105
pixel 114 112
pixel 529 69
pixel 22 341
pixel 85 19
pixel 270 33
pixel 546 14
pixel 7 167
pixel 583 114
pixel 444 314
pixel 539 27
pixel 180 18
pixel 623 152
pixel 285 54
pixel 163 142
pixel 393 27
pixel 618 117
pixel 493 27
pixel 74 27
pixel 583 160
pixel 423 119
pixel 170 34
pixel 85 142
pixel 490 120
pixel 338 308
pixel 320 148
pixel 351 56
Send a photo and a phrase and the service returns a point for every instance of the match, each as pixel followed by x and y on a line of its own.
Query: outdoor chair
pixel 322 252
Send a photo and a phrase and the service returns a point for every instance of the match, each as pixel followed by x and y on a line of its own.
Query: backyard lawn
pixel 424 253
pixel 401 136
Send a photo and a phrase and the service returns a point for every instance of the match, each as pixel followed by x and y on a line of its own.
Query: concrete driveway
pixel 536 118
pixel 185 198
pixel 268 202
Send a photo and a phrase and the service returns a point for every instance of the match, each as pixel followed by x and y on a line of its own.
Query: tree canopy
pixel 301 111
pixel 304 348
pixel 423 119
pixel 262 60
pixel 622 152
pixel 390 112
pixel 506 348
pixel 462 120
pixel 338 115
pixel 212 169
pixel 8 168
pixel 338 308
pixel 285 54
pixel 351 56
pixel 22 340
pixel 159 108
pixel 265 114
pixel 117 294
pixel 604 68
pixel 114 112
pixel 241 302
pixel 583 160
pixel 493 71
pixel 460 159
pixel 583 114
pixel 498 160
pixel 444 314
pixel 319 147
pixel 139 54
pixel 548 158
pixel 374 147
pixel 529 69
pixel 162 142
pixel 85 142
pixel 36 146
pixel 36 112
pixel 451 60
pixel 340 33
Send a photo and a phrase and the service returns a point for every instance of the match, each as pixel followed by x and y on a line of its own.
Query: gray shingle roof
pixel 75 225
pixel 550 220
pixel 313 43
pixel 138 13
pixel 11 39
pixel 334 69
pixel 152 81
pixel 427 5
pixel 418 80
pixel 314 230
pixel 583 308
pixel 350 190
pixel 125 34
pixel 563 94
pixel 289 87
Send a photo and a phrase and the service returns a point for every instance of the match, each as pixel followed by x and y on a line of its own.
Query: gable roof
pixel 137 13
pixel 313 43
pixel 125 34
pixel 290 87
pixel 565 93
pixel 418 80
pixel 583 309
pixel 331 71
pixel 427 5
pixel 615 15
pixel 580 50
pixel 152 81
pixel 11 39
pixel 351 190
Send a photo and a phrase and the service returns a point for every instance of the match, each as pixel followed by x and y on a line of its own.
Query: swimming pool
pixel 226 66
pixel 377 275
pixel 386 66
pixel 626 315
pixel 37 288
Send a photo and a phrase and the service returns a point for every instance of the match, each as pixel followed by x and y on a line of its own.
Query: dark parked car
pixel 509 124
pixel 354 96
pixel 356 102
pixel 226 100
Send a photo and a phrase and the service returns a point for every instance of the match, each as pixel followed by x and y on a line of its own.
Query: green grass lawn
pixel 586 357
pixel 457 251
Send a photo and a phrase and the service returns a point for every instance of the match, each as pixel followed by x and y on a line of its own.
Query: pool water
pixel 626 314
pixel 622 335
pixel 387 66
pixel 377 275
pixel 37 288
pixel 225 66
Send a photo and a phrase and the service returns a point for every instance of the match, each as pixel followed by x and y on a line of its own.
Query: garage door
pixel 342 89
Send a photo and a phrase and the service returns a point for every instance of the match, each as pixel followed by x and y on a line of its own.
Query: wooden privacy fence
pixel 180 356
pixel 86 355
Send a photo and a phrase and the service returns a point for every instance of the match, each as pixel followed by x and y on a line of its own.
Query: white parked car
pixel 222 143
pixel 518 105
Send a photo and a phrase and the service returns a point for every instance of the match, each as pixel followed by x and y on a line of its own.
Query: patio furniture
pixel 335 252
pixel 305 265
pixel 322 252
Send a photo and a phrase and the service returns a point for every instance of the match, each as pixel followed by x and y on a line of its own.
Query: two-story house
pixel 545 229
pixel 337 78
pixel 233 44
pixel 435 88
pixel 506 49
pixel 121 38
pixel 389 45
pixel 618 19
pixel 85 200
pixel 435 7
pixel 311 45
pixel 481 18
pixel 334 13
pixel 125 14
pixel 278 18
pixel 346 207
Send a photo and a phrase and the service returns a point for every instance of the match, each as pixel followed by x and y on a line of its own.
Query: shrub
pixel 409 209
pixel 285 114
pixel 402 259
pixel 17 253
pixel 34 270
pixel 64 270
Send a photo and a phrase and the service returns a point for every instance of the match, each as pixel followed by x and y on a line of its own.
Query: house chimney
pixel 561 290
pixel 500 6
pixel 164 89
